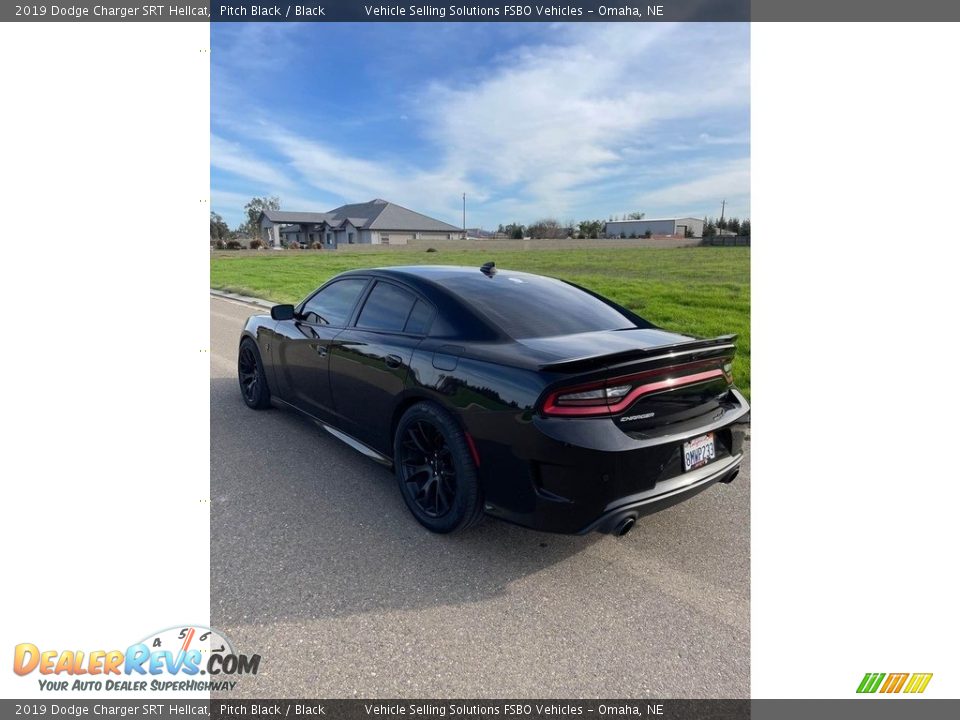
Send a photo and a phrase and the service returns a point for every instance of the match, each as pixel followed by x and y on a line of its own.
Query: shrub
pixel 220 244
pixel 431 249
pixel 256 244
pixel 317 246
pixel 234 245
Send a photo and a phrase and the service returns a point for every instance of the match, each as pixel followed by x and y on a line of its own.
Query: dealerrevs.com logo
pixel 180 658
pixel 911 683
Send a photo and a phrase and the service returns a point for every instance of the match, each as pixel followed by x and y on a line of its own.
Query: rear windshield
pixel 534 307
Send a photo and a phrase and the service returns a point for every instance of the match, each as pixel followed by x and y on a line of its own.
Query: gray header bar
pixel 873 708
pixel 480 11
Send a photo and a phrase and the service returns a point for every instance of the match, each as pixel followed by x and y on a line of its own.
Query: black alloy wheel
pixel 253 382
pixel 435 470
pixel 428 468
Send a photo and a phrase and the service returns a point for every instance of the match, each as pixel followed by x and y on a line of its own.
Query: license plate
pixel 698 452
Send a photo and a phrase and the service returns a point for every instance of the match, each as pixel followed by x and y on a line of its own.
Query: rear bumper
pixel 579 476
pixel 665 494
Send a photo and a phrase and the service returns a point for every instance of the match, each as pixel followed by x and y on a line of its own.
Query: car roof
pixel 470 303
pixel 439 275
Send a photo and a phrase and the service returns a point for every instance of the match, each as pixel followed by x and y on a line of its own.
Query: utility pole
pixel 723 208
pixel 464 215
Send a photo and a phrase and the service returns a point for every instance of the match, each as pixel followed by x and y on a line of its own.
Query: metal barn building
pixel 665 226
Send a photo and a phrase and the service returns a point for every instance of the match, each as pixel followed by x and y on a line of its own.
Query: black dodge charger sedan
pixel 520 396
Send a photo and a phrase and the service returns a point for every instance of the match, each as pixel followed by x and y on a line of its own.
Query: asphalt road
pixel 317 565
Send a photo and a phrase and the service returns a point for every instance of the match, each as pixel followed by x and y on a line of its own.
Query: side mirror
pixel 282 312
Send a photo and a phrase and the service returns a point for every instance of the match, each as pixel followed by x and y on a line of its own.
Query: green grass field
pixel 699 291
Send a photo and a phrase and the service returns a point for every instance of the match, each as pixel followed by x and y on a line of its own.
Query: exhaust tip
pixel 727 479
pixel 625 526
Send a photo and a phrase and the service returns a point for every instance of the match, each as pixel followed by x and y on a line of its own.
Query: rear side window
pixel 419 321
pixel 387 308
pixel 529 306
pixel 334 304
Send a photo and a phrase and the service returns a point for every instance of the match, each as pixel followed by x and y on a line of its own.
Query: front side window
pixel 334 304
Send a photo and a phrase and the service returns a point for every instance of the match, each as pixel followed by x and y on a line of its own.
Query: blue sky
pixel 573 121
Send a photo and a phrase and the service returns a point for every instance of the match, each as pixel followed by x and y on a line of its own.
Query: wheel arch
pixel 403 404
pixel 408 401
pixel 246 334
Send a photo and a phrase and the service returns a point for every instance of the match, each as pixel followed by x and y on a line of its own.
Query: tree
pixel 219 230
pixel 253 209
pixel 513 231
pixel 590 228
pixel 546 228
pixel 635 216
pixel 734 225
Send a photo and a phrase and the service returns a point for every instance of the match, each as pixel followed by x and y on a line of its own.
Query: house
pixel 676 227
pixel 480 234
pixel 377 222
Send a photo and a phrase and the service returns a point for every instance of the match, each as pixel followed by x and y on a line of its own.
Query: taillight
pixel 728 372
pixel 591 397
pixel 610 397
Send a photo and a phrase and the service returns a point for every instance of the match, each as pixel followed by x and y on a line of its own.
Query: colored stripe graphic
pixel 894 682
pixel 870 682
pixel 918 682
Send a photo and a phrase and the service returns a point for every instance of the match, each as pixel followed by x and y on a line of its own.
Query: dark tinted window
pixel 419 321
pixel 334 304
pixel 387 308
pixel 528 306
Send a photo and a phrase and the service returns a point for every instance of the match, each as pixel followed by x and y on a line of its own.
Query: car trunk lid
pixel 642 378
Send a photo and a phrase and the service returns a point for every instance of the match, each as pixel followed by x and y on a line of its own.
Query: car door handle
pixel 321 350
pixel 394 361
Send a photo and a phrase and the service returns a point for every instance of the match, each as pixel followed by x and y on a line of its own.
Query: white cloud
pixel 730 181
pixel 355 179
pixel 545 130
pixel 555 119
pixel 237 160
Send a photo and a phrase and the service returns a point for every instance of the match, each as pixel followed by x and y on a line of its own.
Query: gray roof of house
pixel 283 216
pixel 374 215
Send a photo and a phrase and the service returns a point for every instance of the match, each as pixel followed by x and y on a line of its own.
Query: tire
pixel 435 470
pixel 253 380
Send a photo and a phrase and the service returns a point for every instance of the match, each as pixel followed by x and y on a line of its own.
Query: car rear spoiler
pixel 690 350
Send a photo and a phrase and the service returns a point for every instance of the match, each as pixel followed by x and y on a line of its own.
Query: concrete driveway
pixel 317 565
